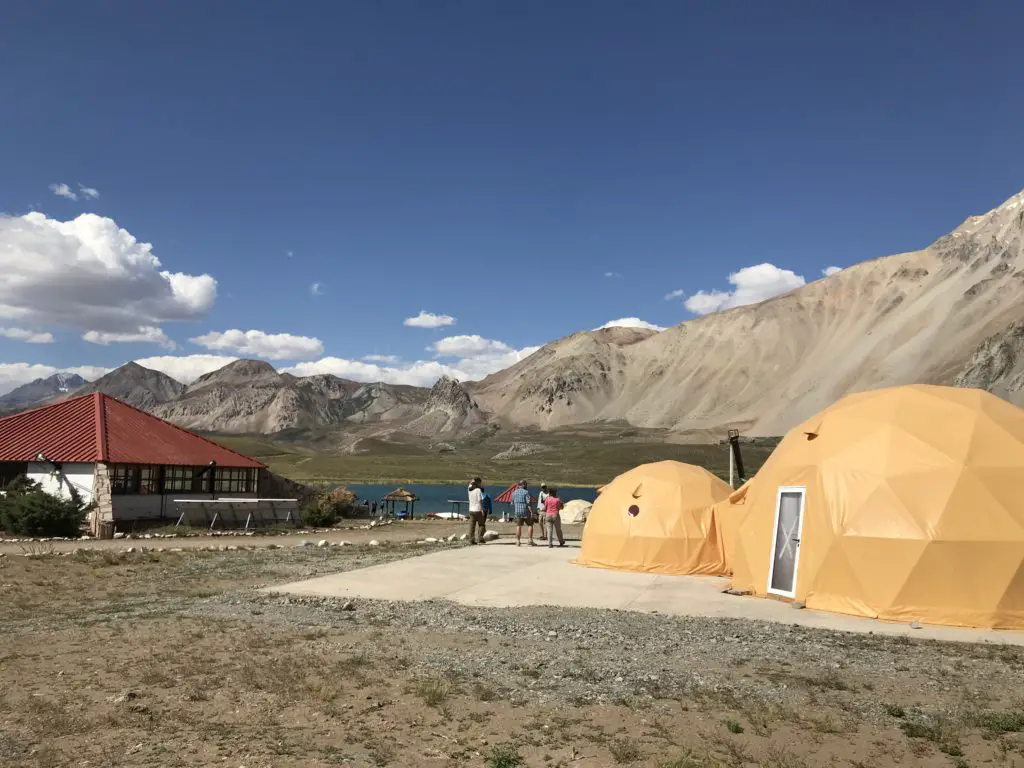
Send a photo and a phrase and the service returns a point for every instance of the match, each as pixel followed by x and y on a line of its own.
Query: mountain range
pixel 948 314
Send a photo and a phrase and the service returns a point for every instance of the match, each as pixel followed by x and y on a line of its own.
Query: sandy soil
pixel 174 659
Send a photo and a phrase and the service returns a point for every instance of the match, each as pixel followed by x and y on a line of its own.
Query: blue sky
pixel 526 168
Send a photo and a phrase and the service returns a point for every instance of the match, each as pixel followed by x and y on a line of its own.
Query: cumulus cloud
pixel 422 373
pixel 90 193
pixel 29 337
pixel 274 346
pixel 468 346
pixel 13 375
pixel 185 368
pixel 613 275
pixel 63 190
pixel 631 322
pixel 317 289
pixel 389 359
pixel 429 320
pixel 751 285
pixel 146 334
pixel 678 293
pixel 289 254
pixel 829 271
pixel 88 273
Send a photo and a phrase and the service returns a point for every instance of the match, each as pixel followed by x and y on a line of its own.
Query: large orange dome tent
pixel 901 504
pixel 656 518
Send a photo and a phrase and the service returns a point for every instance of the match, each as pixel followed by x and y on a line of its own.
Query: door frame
pixel 802 490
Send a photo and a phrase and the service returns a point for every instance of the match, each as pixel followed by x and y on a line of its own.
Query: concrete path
pixel 501 575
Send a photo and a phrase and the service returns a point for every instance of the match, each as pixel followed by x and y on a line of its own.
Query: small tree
pixel 328 506
pixel 30 511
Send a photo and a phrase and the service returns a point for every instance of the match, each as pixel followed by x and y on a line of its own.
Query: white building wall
pixel 80 475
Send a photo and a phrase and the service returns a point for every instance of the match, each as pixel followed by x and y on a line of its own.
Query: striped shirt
pixel 520 501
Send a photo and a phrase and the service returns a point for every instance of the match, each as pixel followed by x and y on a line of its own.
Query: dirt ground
pixel 174 659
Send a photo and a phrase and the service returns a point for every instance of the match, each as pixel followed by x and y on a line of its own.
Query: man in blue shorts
pixel 522 509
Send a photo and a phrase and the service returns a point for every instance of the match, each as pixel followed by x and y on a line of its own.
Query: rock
pixel 915 625
pixel 374 543
pixel 232 548
pixel 119 535
pixel 430 540
pixel 130 550
pixel 552 633
pixel 322 543
pixel 464 537
pixel 491 536
pixel 121 698
pixel 304 543
pixel 348 605
pixel 798 605
pixel 453 537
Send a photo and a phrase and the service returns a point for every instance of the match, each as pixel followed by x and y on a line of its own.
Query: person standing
pixel 523 511
pixel 476 511
pixel 553 511
pixel 541 515
pixel 485 504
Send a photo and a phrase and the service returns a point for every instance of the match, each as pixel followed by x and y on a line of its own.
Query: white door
pixel 789 521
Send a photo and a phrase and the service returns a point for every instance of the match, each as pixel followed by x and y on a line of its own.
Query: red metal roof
pixel 506 496
pixel 97 427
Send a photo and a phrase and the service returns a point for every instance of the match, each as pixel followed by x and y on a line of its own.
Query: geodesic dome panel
pixel 656 518
pixel 913 509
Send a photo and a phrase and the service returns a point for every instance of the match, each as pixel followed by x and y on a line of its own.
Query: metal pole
pixel 732 467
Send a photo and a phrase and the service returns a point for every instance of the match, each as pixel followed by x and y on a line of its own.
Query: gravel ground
pixel 176 659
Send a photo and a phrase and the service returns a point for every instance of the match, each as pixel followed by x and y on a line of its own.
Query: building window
pixel 234 480
pixel 184 480
pixel 124 479
pixel 10 470
pixel 149 479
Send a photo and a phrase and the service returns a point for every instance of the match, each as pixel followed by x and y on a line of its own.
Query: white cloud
pixel 63 190
pixel 829 271
pixel 468 346
pixel 29 337
pixel 146 334
pixel 615 275
pixel 13 375
pixel 752 285
pixel 289 254
pixel 389 359
pixel 88 192
pixel 274 346
pixel 185 368
pixel 90 274
pixel 429 320
pixel 631 322
pixel 678 293
pixel 422 373
pixel 317 289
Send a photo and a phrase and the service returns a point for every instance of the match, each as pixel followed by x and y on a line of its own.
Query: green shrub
pixel 328 506
pixel 34 512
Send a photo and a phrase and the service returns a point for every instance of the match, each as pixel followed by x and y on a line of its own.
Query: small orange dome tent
pixel 901 504
pixel 656 518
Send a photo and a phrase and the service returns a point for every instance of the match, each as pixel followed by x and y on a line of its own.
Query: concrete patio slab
pixel 502 575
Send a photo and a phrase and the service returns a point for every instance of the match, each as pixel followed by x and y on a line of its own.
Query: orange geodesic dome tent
pixel 656 518
pixel 901 504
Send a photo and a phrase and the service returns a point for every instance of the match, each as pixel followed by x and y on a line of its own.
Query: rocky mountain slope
pixel 947 314
pixel 142 387
pixel 250 396
pixel 40 391
pixel 447 410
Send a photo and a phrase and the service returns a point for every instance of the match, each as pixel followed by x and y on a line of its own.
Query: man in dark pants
pixel 476 511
